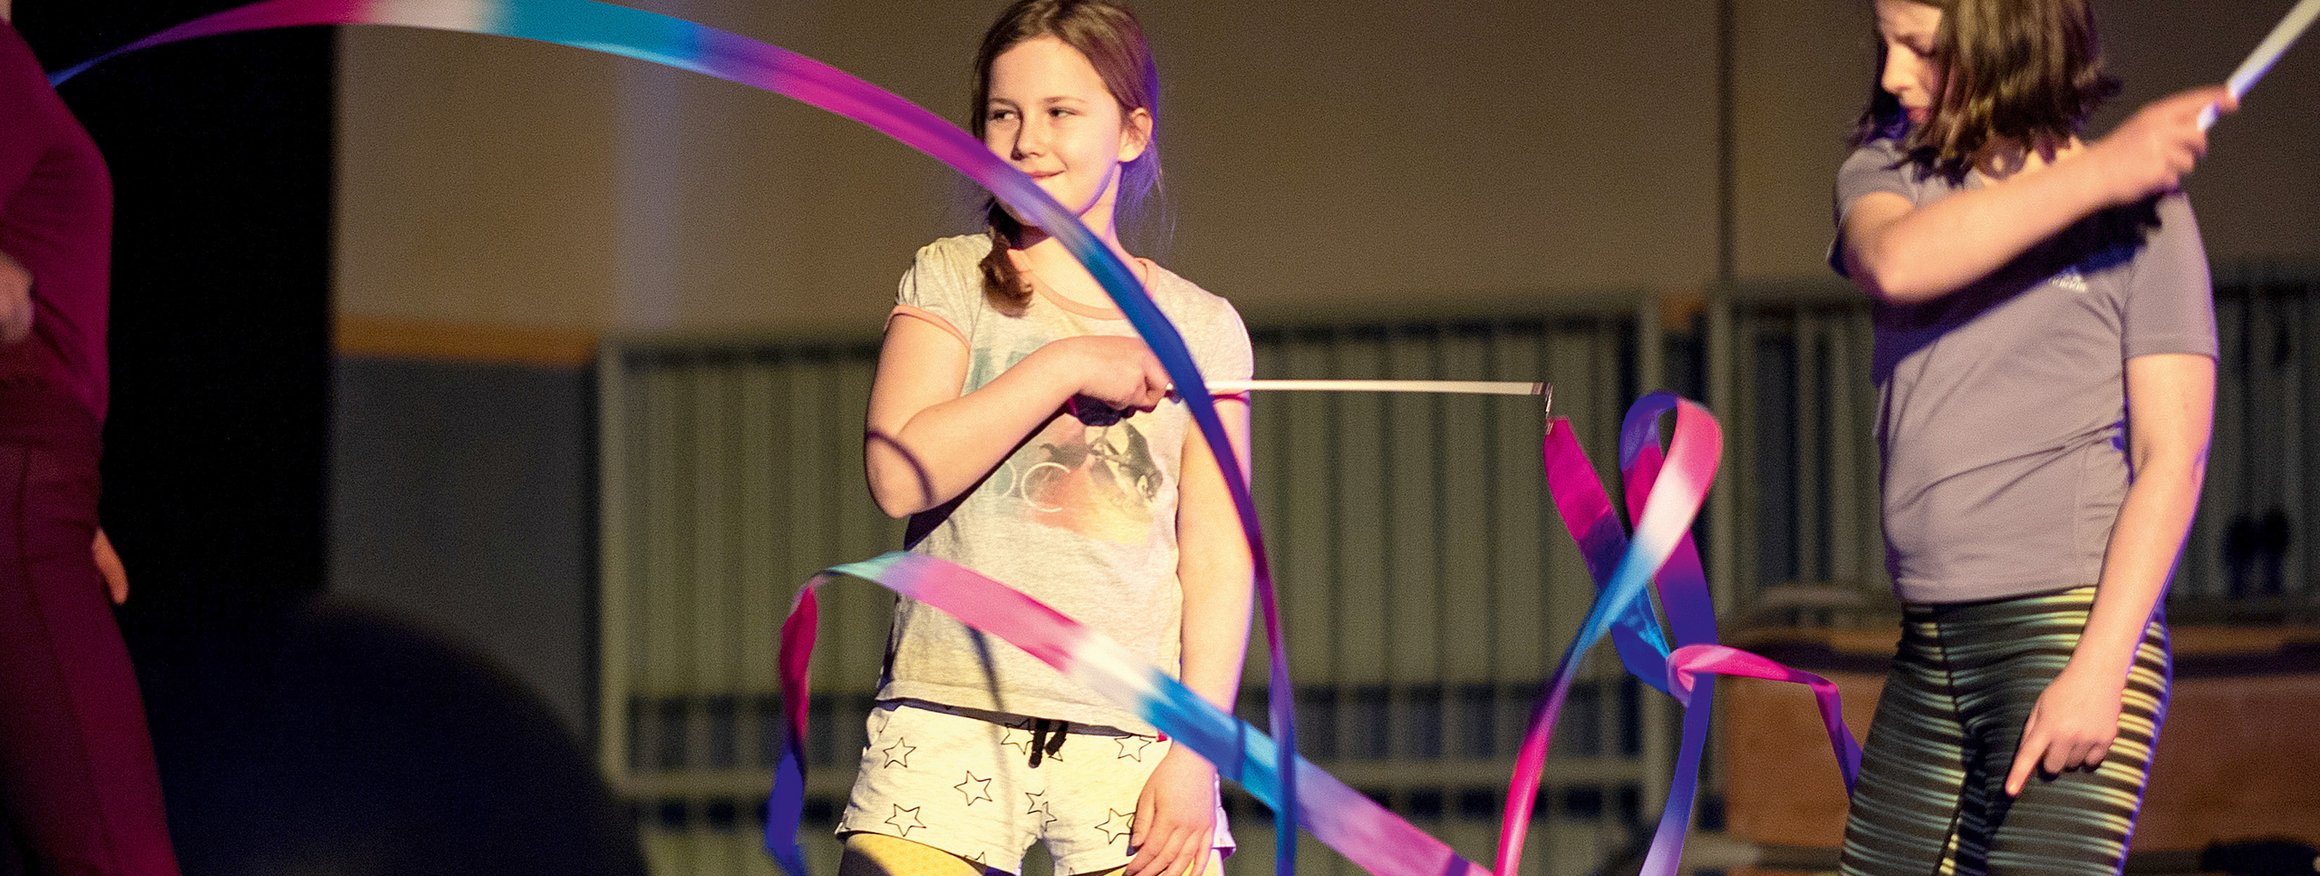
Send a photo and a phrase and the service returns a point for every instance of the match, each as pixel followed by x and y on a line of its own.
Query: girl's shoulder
pixel 958 250
pixel 1187 299
pixel 1167 284
pixel 1882 155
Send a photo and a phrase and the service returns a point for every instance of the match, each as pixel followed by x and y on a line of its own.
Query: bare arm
pixel 925 444
pixel 1175 814
pixel 2170 411
pixel 1904 254
pixel 2170 414
pixel 1214 565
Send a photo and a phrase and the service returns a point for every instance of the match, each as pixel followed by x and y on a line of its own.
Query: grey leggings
pixel 1931 797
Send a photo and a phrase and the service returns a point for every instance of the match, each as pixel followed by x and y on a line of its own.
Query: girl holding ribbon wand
pixel 1025 430
pixel 2045 367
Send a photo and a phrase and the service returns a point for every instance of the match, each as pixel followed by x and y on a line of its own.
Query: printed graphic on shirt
pixel 1099 480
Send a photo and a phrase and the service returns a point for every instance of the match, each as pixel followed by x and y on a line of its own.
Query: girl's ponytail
pixel 1003 283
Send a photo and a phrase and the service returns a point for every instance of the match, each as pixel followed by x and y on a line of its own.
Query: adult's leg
pixel 76 763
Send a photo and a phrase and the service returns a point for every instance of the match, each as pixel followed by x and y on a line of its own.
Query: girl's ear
pixel 1135 135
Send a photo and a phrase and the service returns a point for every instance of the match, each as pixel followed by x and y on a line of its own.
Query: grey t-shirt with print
pixel 2001 408
pixel 1081 517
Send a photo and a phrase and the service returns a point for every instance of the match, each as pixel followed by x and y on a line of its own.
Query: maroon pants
pixel 76 764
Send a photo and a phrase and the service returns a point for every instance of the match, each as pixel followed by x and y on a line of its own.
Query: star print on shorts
pixel 1117 825
pixel 1041 808
pixel 1132 747
pixel 898 754
pixel 905 819
pixel 962 781
pixel 974 789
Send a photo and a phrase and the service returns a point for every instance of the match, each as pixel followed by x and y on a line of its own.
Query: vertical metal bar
pixel 1811 447
pixel 614 583
pixel 1651 343
pixel 761 586
pixel 1411 512
pixel 2306 403
pixel 1722 357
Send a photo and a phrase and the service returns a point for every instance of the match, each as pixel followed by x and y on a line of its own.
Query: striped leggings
pixel 1931 797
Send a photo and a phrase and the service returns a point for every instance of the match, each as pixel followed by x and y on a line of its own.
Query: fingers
pixel 109 567
pixel 1156 382
pixel 2026 757
pixel 1140 832
pixel 2098 751
pixel 2060 756
pixel 2199 99
pixel 15 301
pixel 1181 854
pixel 1144 388
pixel 1165 848
pixel 1185 854
pixel 2042 751
pixel 1167 853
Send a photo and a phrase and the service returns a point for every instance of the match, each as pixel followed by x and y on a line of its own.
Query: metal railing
pixel 1425 582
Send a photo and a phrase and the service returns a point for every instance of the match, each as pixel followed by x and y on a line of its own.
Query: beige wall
pixel 1326 159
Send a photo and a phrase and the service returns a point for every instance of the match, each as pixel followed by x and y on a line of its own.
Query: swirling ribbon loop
pixel 1664 494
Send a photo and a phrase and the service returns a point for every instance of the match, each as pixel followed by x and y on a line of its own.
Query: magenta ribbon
pixel 1299 793
pixel 673 42
pixel 1664 493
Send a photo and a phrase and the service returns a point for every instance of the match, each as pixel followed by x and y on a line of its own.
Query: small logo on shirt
pixel 2070 279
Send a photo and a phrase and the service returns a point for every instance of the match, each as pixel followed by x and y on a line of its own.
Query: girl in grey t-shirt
pixel 2045 367
pixel 996 425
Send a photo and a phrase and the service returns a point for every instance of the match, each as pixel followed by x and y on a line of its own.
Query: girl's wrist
pixel 1058 367
pixel 2106 667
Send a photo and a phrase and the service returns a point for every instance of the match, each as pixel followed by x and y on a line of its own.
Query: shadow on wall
pixel 338 739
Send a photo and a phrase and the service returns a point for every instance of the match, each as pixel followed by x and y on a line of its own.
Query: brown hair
pixel 1108 34
pixel 2023 73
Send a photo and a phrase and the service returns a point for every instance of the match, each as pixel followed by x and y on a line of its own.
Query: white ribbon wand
pixel 2266 54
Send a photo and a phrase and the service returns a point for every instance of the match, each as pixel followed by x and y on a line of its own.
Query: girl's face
pixel 1050 115
pixel 1912 73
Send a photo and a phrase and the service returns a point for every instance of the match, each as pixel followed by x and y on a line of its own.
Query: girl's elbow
pixel 1890 279
pixel 898 497
pixel 2187 465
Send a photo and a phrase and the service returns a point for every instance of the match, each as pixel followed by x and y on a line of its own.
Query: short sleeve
pixel 943 287
pixel 2169 304
pixel 1230 356
pixel 1876 167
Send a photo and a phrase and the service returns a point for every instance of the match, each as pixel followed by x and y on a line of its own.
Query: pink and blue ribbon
pixel 685 45
pixel 1664 493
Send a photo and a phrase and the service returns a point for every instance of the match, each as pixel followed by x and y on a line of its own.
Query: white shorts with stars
pixel 985 786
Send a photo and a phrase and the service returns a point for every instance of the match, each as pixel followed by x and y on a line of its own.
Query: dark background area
pixel 295 732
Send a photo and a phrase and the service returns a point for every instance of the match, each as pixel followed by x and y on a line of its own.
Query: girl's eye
pixel 1058 112
pixel 1000 115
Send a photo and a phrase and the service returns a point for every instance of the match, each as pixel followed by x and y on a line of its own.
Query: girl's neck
pixel 1055 268
pixel 1043 249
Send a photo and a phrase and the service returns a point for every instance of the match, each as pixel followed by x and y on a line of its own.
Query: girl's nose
pixel 1031 138
pixel 1900 71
